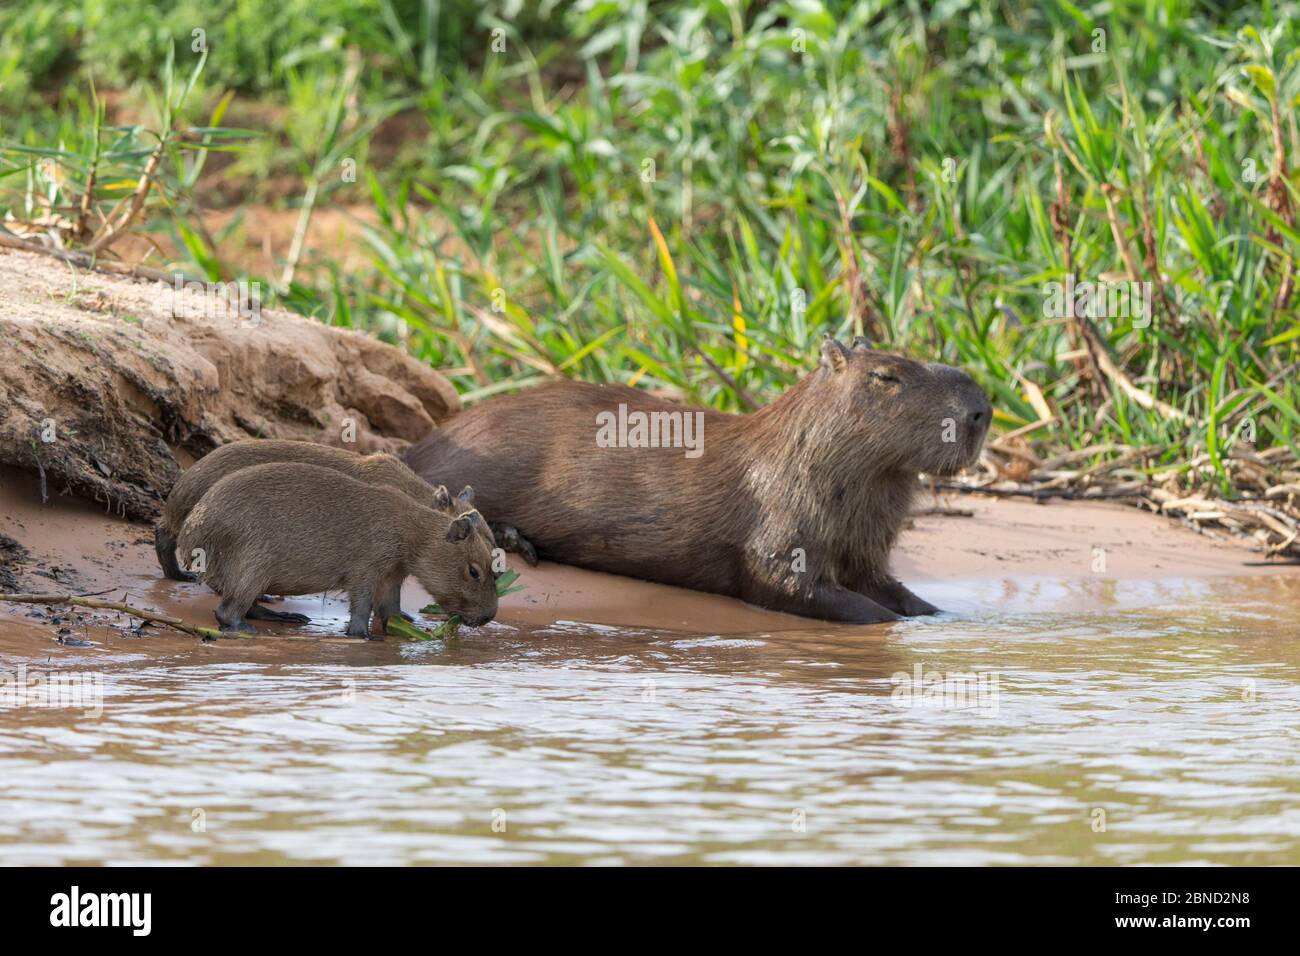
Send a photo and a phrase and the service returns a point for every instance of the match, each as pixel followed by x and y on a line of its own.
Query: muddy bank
pixel 131 380
pixel 1005 554
pixel 105 381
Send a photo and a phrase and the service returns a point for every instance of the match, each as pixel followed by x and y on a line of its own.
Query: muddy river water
pixel 1049 722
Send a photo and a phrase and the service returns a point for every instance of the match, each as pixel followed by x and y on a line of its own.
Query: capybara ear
pixel 475 519
pixel 860 344
pixel 466 496
pixel 441 498
pixel 460 529
pixel 834 355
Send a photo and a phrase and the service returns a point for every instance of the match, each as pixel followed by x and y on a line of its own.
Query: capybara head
pixel 903 415
pixel 444 502
pixel 456 569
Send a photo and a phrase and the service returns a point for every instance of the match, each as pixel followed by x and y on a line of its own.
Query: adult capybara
pixel 794 507
pixel 377 469
pixel 291 528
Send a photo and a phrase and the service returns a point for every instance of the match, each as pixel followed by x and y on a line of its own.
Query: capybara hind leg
pixel 508 538
pixel 230 614
pixel 165 546
pixel 259 613
pixel 359 622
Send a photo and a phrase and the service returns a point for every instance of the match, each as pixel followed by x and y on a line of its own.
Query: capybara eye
pixel 886 377
pixel 473 572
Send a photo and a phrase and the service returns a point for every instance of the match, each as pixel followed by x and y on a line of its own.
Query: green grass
pixel 674 195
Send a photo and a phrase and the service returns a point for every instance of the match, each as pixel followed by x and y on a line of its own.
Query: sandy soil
pixel 256 239
pixel 1006 553
pixel 105 382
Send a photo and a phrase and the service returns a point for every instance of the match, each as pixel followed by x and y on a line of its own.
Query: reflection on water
pixel 1174 723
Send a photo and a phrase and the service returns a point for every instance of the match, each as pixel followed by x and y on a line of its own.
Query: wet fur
pixel 830 467
pixel 292 528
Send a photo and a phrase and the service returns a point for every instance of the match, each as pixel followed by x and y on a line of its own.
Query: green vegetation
pixel 450 628
pixel 687 195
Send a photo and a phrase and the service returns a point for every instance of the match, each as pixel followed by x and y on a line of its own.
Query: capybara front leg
pixel 388 604
pixel 231 611
pixel 259 613
pixel 359 623
pixel 895 596
pixel 508 538
pixel 830 602
pixel 165 546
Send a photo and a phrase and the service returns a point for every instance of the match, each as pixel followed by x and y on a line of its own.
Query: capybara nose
pixel 980 412
pixel 480 617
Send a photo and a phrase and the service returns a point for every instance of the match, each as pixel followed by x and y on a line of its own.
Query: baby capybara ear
pixel 834 355
pixel 466 496
pixel 461 528
pixel 441 498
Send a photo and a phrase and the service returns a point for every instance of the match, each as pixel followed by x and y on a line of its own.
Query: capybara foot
pixel 359 622
pixel 909 605
pixel 508 538
pixel 920 608
pixel 240 627
pixel 165 545
pixel 833 602
pixel 895 596
pixel 259 613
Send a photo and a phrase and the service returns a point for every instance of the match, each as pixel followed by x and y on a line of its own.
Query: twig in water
pixel 76 600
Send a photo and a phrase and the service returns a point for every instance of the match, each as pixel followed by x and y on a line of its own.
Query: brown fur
pixel 830 468
pixel 291 528
pixel 380 469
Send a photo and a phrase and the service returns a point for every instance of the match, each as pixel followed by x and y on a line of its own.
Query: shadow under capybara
pixel 793 507
pixel 291 528
pixel 377 469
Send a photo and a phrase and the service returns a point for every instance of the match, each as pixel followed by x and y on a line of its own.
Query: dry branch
pixel 207 633
pixel 83 260
pixel 77 600
pixel 1265 508
pixel 114 231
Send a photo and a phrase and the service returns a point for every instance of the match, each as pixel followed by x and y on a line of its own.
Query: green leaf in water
pixel 401 627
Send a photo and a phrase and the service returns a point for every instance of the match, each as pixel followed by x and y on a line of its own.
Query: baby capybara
pixel 794 507
pixel 290 528
pixel 378 469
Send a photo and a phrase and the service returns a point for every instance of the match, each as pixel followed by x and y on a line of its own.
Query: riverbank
pixel 970 555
